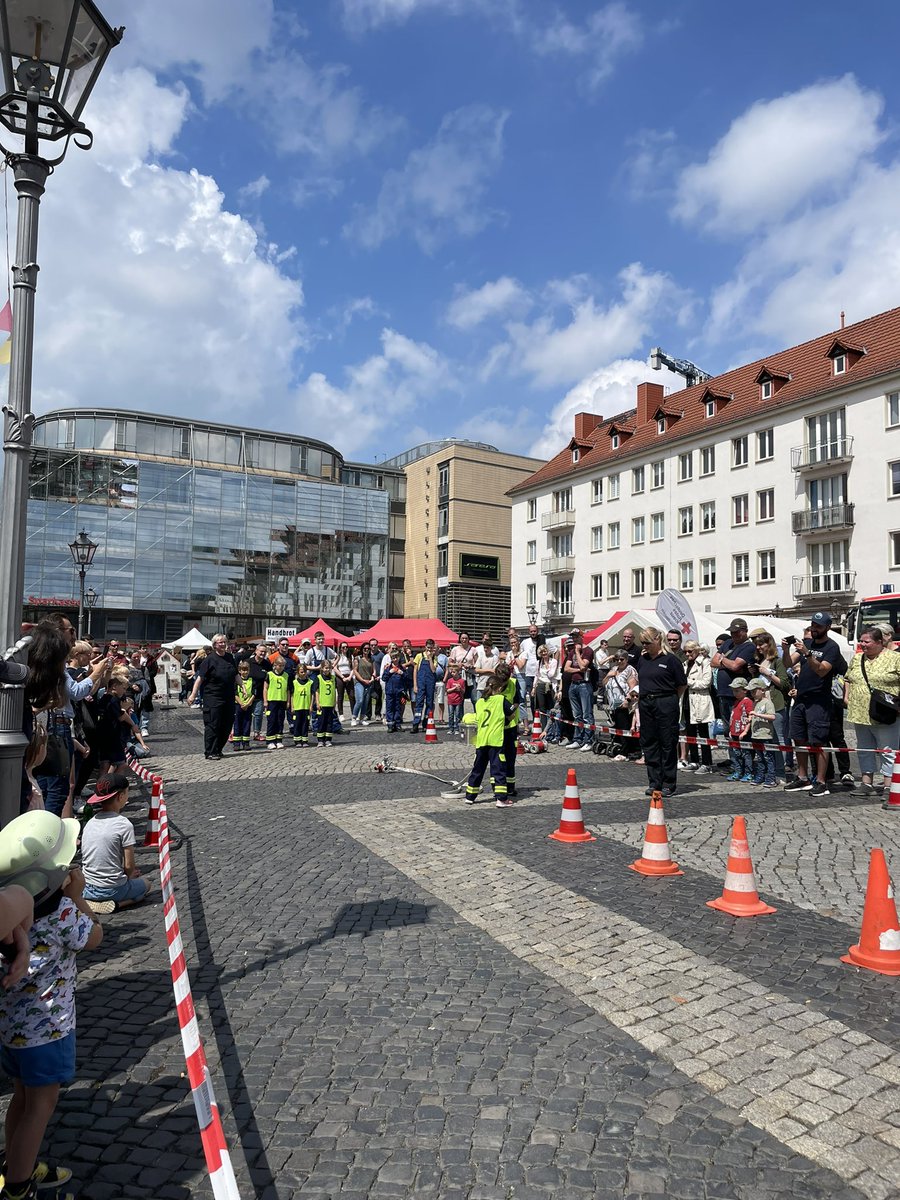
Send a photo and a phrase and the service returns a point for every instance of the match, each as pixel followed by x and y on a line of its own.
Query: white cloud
pixel 554 354
pixel 649 170
pixel 378 391
pixel 501 296
pixel 607 391
pixel 780 153
pixel 254 190
pixel 151 293
pixel 439 191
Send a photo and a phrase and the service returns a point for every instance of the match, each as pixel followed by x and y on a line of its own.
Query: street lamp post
pixel 51 53
pixel 90 599
pixel 83 551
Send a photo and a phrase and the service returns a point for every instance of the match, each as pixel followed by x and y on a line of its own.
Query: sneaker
pixel 48 1176
pixel 867 789
pixel 470 799
pixel 798 785
pixel 666 792
pixel 97 906
pixel 734 777
pixel 585 746
pixel 279 745
pixel 682 766
pixel 366 721
pixel 704 770
pixel 746 779
pixel 773 786
pixel 819 789
pixel 354 722
pixel 272 747
pixel 847 780
pixel 505 803
pixel 620 758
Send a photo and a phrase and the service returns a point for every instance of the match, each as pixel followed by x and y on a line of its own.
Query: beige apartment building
pixel 458 520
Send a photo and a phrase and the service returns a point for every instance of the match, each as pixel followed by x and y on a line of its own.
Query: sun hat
pixel 36 851
pixel 740 682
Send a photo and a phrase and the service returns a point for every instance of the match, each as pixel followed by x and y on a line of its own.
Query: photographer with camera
pixel 816 661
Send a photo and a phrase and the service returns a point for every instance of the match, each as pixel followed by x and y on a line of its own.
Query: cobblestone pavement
pixel 402 996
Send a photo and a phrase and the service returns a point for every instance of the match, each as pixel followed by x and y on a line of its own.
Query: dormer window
pixel 576 454
pixel 710 408
pixel 660 424
pixel 840 363
pixel 765 390
pixel 843 356
pixel 614 441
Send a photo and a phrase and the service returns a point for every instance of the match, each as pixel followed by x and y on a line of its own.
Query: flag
pixel 6 319
pixel 4 351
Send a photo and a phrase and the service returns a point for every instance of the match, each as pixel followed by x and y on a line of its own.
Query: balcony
pixel 558 519
pixel 829 583
pixel 821 454
pixel 833 516
pixel 558 565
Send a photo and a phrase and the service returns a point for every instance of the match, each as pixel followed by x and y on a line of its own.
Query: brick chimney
pixel 585 424
pixel 649 397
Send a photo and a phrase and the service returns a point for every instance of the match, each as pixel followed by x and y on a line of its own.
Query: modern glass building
pixel 197 523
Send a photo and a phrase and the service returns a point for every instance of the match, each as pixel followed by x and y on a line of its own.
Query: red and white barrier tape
pixel 215 1149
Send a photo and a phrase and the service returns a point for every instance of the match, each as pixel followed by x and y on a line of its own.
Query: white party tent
pixel 709 625
pixel 192 640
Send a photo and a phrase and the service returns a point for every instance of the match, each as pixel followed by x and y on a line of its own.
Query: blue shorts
pixel 810 724
pixel 131 889
pixel 40 1066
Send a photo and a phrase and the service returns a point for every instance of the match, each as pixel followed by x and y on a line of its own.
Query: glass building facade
pixel 205 524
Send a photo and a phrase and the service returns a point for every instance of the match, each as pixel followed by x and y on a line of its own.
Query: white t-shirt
pixel 103 844
pixel 528 648
pixel 482 662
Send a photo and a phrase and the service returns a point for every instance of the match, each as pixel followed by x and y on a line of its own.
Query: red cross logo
pixel 685 627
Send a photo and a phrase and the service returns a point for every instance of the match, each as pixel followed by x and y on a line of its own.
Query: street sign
pixel 275 632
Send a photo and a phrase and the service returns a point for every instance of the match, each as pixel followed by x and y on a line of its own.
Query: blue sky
pixel 380 221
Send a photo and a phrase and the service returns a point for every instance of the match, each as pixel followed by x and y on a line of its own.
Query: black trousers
pixel 836 738
pixel 659 739
pixel 700 730
pixel 218 721
pixel 622 718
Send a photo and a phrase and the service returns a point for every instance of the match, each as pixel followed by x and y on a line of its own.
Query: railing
pixel 818 454
pixel 829 583
pixel 558 565
pixel 833 516
pixel 558 519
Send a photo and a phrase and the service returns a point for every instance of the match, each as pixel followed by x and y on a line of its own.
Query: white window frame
pixel 743 499
pixel 839 363
pixel 613 535
pixel 638 480
pixel 660 425
pixel 657 579
pixel 708 571
pixel 740 451
pixel 765 440
pixel 710 408
pixel 689 510
pixel 596 538
pixel 638 531
pixel 765 389
pixel 686 575
pixel 740 569
pixel 576 454
pixel 638 581
pixel 531 595
pixel 531 512
pixel 708 516
pixel 612 491
pixel 530 553
pixel 762 561
pixel 892 410
pixel 658 474
pixel 707 461
pixel 613 584
pixel 657 527
pixel 894 479
pixel 596 587
pixel 596 491
pixel 614 440
pixel 759 504
pixel 686 460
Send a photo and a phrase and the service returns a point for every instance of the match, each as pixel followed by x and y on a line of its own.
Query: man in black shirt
pixel 662 683
pixel 630 647
pixel 816 660
pixel 259 669
pixel 218 675
pixel 730 663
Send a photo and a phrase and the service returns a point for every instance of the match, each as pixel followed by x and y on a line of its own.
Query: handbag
pixel 884 708
pixel 57 761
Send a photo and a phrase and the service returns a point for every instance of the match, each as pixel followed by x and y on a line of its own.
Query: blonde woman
pixel 701 713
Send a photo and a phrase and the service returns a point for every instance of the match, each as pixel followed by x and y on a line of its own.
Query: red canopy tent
pixel 332 637
pixel 418 631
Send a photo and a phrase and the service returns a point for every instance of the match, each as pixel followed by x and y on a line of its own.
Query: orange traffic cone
pixel 878 948
pixel 571 823
pixel 430 731
pixel 739 895
pixel 151 837
pixel 892 804
pixel 655 858
pixel 537 733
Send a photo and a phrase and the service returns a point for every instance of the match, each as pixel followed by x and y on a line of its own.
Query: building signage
pixel 274 633
pixel 479 566
pixel 52 602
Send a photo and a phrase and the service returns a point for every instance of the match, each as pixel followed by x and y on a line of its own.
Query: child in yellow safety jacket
pixel 324 700
pixel 510 691
pixel 275 698
pixel 492 712
pixel 300 704
pixel 244 699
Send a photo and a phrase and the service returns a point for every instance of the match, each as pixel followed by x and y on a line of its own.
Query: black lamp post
pixel 83 551
pixel 532 614
pixel 51 55
pixel 90 599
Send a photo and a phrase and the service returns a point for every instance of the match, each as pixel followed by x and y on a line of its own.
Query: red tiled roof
pixel 806 369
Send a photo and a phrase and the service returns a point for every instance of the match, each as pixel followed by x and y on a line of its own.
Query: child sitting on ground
pixel 37 1015
pixel 111 879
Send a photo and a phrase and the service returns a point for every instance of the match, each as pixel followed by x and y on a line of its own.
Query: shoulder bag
pixel 884 707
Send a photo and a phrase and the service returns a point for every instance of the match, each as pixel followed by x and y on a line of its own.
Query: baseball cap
pixel 738 623
pixel 570 641
pixel 306 642
pixel 820 618
pixel 36 851
pixel 759 682
pixel 107 787
pixel 12 671
pixel 739 682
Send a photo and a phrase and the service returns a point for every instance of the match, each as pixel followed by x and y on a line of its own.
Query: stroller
pixel 604 744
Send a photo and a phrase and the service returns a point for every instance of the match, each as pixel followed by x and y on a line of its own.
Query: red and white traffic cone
pixel 430 731
pixel 537 733
pixel 571 822
pixel 892 804
pixel 151 837
pixel 656 858
pixel 739 895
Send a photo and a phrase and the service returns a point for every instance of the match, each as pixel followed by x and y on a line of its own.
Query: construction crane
pixel 680 366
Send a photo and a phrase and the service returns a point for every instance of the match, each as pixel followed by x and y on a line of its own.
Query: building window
pixel 576 454
pixel 740 451
pixel 657 527
pixel 659 474
pixel 740 568
pixel 686 466
pixel 709 407
pixel 443 520
pixel 596 491
pixel 562 500
pixel 740 510
pixel 562 596
pixel 765 444
pixel 637 481
pixel 708 460
pixel 840 364
pixel 829 563
pixel 443 560
pixel 686 520
pixel 765 504
pixel 660 424
pixel 443 480
pixel 708 516
pixel 707 572
pixel 531 553
pixel 597 538
pixel 894 468
pixel 612 536
pixel 637 530
pixel 531 595
pixel 614 441
pixel 826 436
pixel 596 587
pixel 657 579
pixel 765 566
pixel 893 408
pixel 895 549
pixel 562 545
pixel 612 585
pixel 612 491
pixel 765 390
pixel 532 510
pixel 686 576
pixel 637 581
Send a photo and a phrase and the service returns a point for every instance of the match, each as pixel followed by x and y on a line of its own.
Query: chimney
pixel 585 424
pixel 649 397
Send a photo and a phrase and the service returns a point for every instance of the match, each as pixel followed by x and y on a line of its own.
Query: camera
pixel 790 641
